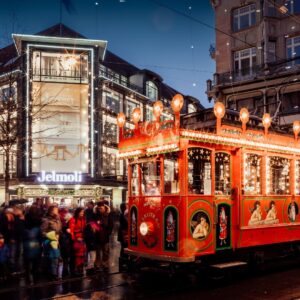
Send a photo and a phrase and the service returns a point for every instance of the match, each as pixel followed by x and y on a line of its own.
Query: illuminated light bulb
pixel 266 120
pixel 296 128
pixel 157 108
pixel 219 110
pixel 177 103
pixel 244 115
pixel 136 115
pixel 121 119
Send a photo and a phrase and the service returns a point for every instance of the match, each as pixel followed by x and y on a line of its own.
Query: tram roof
pixel 201 127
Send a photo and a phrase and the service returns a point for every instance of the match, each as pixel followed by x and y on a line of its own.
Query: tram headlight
pixel 146 228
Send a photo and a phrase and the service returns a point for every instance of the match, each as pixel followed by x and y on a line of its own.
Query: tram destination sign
pixel 53 176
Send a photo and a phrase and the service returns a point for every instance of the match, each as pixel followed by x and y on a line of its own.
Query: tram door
pixel 223 202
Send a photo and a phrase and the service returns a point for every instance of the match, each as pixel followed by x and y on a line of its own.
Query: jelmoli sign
pixel 74 177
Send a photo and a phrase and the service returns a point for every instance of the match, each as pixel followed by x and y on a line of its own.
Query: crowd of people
pixel 58 241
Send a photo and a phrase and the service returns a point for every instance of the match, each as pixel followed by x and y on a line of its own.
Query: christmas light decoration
pixel 219 111
pixel 169 147
pixel 296 129
pixel 266 121
pixel 244 117
pixel 157 109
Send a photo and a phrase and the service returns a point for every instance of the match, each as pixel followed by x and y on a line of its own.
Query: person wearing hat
pixel 104 219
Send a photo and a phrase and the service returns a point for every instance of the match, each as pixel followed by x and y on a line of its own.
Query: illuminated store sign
pixel 60 177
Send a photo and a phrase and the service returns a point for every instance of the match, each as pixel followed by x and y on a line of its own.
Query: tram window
pixel 222 169
pixel 134 180
pixel 252 171
pixel 171 181
pixel 199 171
pixel 278 175
pixel 297 177
pixel 151 178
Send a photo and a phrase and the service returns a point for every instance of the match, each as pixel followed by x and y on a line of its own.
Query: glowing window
pixel 252 174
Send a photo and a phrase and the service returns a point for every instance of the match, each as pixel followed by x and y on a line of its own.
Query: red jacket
pixel 77 228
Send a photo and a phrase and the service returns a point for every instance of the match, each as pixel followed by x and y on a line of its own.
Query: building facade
pixel 69 90
pixel 257 54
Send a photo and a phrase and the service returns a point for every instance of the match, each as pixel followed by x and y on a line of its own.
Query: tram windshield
pixel 222 169
pixel 134 180
pixel 199 171
pixel 171 174
pixel 150 172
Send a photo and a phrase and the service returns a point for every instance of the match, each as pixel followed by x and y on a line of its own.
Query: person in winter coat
pixel 104 219
pixel 123 230
pixel 4 256
pixel 51 229
pixel 90 236
pixel 77 225
pixel 89 212
pixel 66 247
pixel 32 242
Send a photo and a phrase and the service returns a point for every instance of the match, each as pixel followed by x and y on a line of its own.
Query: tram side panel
pixel 269 220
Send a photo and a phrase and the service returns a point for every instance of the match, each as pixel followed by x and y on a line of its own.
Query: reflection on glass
pixel 278 175
pixel 60 130
pixel 199 171
pixel 222 166
pixel 171 180
pixel 134 180
pixel 252 171
pixel 150 178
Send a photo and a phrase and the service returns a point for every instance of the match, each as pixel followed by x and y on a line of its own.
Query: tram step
pixel 230 264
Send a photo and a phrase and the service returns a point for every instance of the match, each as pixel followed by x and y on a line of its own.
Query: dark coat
pixel 105 221
pixel 32 242
pixel 4 254
pixel 90 235
pixel 7 227
pixel 123 230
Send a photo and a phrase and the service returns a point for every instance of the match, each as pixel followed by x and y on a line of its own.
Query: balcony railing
pixel 115 77
pixel 73 75
pixel 258 71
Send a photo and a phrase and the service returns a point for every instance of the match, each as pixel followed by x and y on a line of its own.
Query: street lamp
pixel 136 116
pixel 266 120
pixel 219 111
pixel 158 108
pixel 296 129
pixel 176 104
pixel 121 119
pixel 244 117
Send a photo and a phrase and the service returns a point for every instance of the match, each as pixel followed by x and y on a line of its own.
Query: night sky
pixel 143 32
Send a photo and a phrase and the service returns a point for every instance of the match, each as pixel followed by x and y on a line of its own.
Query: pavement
pixel 277 280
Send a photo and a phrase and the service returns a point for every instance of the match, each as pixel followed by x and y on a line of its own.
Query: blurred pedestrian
pixel 123 231
pixel 66 246
pixel 90 236
pixel 51 229
pixel 32 240
pixel 77 226
pixel 104 220
pixel 4 257
pixel 89 211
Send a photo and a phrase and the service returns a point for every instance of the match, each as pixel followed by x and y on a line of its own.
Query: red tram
pixel 195 193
